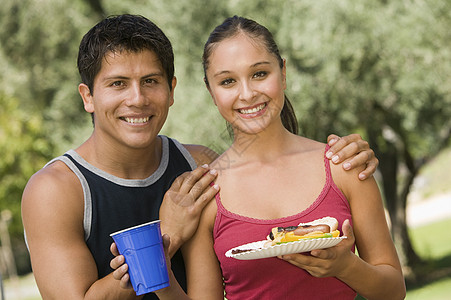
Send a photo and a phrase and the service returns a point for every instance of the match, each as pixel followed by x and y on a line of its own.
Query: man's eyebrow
pixel 153 74
pixel 113 77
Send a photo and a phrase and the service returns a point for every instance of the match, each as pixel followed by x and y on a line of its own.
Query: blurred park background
pixel 376 67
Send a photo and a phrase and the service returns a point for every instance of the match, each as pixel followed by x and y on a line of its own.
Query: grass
pixel 434 178
pixel 438 290
pixel 432 243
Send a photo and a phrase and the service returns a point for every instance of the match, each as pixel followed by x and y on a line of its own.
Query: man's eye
pixel 227 81
pixel 117 83
pixel 150 81
pixel 260 74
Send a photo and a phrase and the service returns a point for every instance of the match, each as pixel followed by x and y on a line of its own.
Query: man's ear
pixel 174 83
pixel 86 95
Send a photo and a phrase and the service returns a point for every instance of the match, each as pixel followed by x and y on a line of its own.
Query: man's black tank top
pixel 113 203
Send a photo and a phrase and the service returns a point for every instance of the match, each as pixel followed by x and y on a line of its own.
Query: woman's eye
pixel 227 81
pixel 260 74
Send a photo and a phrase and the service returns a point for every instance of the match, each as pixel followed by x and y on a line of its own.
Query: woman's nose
pixel 247 92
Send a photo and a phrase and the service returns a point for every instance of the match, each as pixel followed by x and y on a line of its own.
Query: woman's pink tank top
pixel 273 278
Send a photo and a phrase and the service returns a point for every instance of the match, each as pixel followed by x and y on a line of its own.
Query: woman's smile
pixel 253 111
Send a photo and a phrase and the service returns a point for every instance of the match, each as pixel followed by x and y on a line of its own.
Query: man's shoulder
pixel 201 154
pixel 55 178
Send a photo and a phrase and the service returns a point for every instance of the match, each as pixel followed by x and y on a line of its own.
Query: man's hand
pixel 353 151
pixel 183 204
pixel 120 268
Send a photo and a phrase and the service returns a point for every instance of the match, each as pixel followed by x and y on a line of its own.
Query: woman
pixel 272 177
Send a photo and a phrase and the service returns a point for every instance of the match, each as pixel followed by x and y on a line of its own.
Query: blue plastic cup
pixel 142 247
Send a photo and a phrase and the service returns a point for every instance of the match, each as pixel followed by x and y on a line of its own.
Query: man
pixel 121 175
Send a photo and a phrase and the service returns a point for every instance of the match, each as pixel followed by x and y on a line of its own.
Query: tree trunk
pixel 395 202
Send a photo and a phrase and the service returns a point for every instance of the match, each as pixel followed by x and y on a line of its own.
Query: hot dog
pixel 320 228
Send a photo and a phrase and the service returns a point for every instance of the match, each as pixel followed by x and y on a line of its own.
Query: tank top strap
pixel 329 179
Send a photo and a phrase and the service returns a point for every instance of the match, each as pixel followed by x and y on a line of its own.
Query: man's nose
pixel 136 96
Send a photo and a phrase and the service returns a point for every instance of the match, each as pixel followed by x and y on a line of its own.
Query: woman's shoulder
pixel 201 154
pixel 346 180
pixel 307 145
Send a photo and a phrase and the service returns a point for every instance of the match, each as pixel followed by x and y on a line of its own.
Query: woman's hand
pixel 352 151
pixel 327 262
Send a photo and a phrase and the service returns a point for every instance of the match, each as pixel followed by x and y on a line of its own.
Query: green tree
pixel 25 149
pixel 381 69
pixel 39 49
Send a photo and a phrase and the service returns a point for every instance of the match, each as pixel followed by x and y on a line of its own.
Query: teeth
pixel 252 110
pixel 136 120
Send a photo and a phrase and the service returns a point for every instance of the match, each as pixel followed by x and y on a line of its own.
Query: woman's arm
pixel 376 272
pixel 203 272
pixel 377 258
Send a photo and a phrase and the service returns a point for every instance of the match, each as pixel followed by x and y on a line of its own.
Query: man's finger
pixel 117 262
pixel 370 169
pixel 120 269
pixel 364 158
pixel 113 249
pixel 355 140
pixel 332 139
pixel 347 150
pixel 191 178
pixel 125 282
pixel 203 184
pixel 207 196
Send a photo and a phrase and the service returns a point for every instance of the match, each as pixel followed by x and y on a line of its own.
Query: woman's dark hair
pixel 231 27
pixel 122 33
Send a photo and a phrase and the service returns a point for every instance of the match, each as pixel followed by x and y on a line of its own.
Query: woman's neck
pixel 265 145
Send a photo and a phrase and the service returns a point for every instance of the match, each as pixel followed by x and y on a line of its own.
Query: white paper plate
pixel 258 251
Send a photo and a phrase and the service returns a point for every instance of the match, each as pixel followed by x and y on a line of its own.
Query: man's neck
pixel 123 162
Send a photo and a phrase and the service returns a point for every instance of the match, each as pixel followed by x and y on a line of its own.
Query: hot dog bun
pixel 332 222
pixel 320 228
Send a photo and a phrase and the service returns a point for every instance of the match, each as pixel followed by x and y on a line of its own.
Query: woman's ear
pixel 284 74
pixel 86 95
pixel 209 90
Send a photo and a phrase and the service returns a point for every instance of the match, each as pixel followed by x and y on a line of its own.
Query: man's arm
pixel 52 214
pixel 181 208
pixel 183 203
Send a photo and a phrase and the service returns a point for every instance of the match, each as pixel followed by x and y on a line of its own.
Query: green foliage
pixel 25 149
pixel 380 68
pixel 40 51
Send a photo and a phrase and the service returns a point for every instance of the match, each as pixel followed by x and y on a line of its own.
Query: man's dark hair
pixel 131 33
